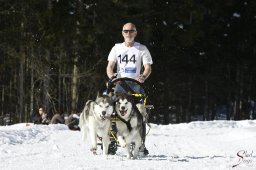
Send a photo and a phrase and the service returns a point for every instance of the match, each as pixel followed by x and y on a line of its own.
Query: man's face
pixel 40 111
pixel 129 33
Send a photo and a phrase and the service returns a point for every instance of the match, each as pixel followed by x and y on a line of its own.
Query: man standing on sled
pixel 130 57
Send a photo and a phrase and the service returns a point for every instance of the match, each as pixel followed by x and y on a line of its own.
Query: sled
pixel 137 97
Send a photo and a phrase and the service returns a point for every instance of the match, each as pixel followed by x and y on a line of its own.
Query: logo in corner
pixel 244 157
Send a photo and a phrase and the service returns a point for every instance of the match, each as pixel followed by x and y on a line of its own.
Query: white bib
pixel 128 60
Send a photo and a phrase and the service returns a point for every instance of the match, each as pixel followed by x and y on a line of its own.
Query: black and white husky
pixel 95 119
pixel 130 124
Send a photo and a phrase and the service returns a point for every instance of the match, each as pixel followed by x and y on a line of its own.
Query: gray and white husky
pixel 95 119
pixel 129 126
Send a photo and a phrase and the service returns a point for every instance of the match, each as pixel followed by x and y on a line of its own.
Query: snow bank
pixel 196 145
pixel 27 133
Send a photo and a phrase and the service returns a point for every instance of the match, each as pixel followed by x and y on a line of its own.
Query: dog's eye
pixel 126 102
pixel 107 106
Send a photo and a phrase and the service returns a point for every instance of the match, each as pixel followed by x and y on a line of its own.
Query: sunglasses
pixel 130 31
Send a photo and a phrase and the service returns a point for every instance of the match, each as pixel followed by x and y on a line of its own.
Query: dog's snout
pixel 122 107
pixel 104 112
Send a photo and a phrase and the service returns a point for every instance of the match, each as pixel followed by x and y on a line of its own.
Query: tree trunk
pixel 206 100
pixel 188 110
pixel 74 95
pixel 241 92
pixel 31 84
pixel 46 79
pixel 61 92
pixel 229 101
pixel 21 86
pixel 66 95
pixel 2 101
pixel 74 83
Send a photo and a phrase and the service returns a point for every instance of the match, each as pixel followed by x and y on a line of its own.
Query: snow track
pixel 197 145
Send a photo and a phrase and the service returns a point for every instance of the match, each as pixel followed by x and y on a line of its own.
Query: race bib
pixel 129 62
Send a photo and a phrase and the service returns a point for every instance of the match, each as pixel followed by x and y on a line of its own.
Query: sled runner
pixel 136 100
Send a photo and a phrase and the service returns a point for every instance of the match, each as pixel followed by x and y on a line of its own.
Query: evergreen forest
pixel 53 54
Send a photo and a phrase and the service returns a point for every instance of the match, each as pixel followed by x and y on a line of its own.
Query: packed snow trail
pixel 197 145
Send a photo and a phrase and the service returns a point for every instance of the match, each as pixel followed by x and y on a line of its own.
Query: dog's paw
pixel 122 144
pixel 93 150
pixel 105 156
pixel 129 156
pixel 135 156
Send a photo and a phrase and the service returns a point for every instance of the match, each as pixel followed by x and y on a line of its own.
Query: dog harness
pixel 128 123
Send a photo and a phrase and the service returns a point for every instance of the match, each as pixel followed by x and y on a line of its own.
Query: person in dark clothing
pixel 44 116
pixel 58 118
pixel 72 122
pixel 36 118
pixel 41 117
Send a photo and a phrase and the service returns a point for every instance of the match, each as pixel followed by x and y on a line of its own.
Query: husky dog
pixel 130 126
pixel 95 118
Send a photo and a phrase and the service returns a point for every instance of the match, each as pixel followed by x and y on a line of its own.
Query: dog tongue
pixel 107 116
pixel 123 112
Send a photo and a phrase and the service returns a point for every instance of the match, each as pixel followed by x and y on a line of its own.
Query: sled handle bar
pixel 112 83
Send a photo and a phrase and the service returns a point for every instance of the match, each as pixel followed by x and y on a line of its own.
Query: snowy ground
pixel 197 145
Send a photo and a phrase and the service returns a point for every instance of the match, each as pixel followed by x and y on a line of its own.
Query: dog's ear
pixel 110 94
pixel 98 94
